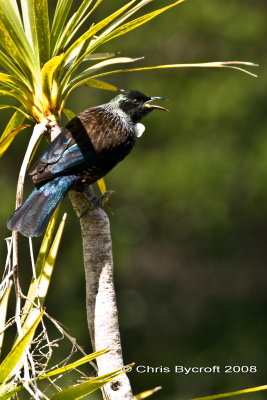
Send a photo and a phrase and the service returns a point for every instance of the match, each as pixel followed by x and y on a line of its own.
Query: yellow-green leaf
pixel 45 269
pixel 76 20
pixel 147 393
pixel 13 358
pixel 7 393
pixel 43 29
pixel 129 26
pixel 102 185
pixel 3 312
pixel 215 64
pixel 102 64
pixel 77 392
pixel 48 72
pixel 8 138
pixel 95 83
pixel 75 364
pixel 15 121
pixel 69 113
pixel 40 268
pixel 61 13
pixel 235 393
pixel 74 48
pixel 11 23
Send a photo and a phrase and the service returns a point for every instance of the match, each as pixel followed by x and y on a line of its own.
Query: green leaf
pixel 9 81
pixel 75 54
pixel 12 25
pixel 75 47
pixel 36 24
pixel 48 72
pixel 40 268
pixel 7 394
pixel 102 185
pixel 8 139
pixel 60 17
pixel 100 56
pixel 28 15
pixel 129 26
pixel 75 364
pixel 95 83
pixel 235 393
pixel 77 392
pixel 125 16
pixel 44 268
pixel 43 29
pixel 69 113
pixel 14 94
pixel 12 50
pixel 3 312
pixel 102 64
pixel 13 127
pixel 13 358
pixel 74 24
pixel 147 393
pixel 216 64
pixel 10 67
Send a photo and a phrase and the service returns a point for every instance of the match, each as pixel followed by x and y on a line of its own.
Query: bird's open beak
pixel 153 106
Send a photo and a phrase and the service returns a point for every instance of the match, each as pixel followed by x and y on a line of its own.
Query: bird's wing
pixel 52 154
pixel 70 152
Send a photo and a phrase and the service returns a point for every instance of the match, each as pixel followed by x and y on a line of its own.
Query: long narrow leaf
pixel 124 17
pixel 216 64
pixel 147 393
pixel 73 25
pixel 73 365
pixel 10 67
pixel 74 48
pixel 13 358
pixel 121 30
pixel 95 83
pixel 41 271
pixel 14 94
pixel 102 64
pixel 235 393
pixel 38 293
pixel 48 72
pixel 14 84
pixel 16 120
pixel 60 17
pixel 43 29
pixel 12 23
pixel 7 393
pixel 13 127
pixel 3 312
pixel 77 392
pixel 69 113
pixel 6 142
pixel 28 15
pixel 14 52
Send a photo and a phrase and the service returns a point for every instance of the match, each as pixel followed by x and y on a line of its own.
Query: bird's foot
pixel 95 201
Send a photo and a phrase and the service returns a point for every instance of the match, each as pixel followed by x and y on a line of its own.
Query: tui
pixel 87 149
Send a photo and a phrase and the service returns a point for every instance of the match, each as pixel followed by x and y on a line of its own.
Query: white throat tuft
pixel 139 129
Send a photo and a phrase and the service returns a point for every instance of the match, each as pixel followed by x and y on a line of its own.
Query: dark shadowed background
pixel 190 205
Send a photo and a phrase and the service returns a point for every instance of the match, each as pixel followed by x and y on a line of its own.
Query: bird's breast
pixel 108 129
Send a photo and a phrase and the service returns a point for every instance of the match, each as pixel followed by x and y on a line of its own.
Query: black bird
pixel 87 149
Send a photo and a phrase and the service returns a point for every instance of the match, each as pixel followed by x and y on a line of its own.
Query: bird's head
pixel 135 104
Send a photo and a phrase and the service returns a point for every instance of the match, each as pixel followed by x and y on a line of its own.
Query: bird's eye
pixel 135 101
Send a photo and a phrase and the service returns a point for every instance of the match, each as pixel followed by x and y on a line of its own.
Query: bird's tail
pixel 32 217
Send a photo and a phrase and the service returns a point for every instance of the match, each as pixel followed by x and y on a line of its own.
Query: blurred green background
pixel 190 204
